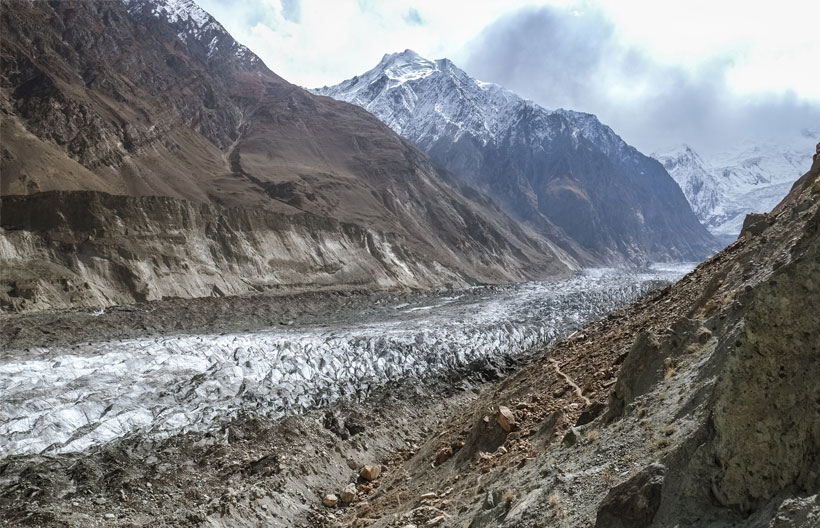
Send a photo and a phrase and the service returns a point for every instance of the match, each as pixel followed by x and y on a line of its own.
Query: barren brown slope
pixel 118 97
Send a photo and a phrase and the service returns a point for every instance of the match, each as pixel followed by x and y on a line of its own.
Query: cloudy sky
pixel 711 73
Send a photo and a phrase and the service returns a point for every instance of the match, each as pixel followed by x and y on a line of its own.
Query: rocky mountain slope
pixel 563 173
pixel 750 179
pixel 255 181
pixel 697 407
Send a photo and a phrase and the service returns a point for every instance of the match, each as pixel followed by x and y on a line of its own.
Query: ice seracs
pixel 73 398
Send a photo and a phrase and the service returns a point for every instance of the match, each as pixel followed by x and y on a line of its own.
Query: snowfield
pixel 84 396
pixel 751 178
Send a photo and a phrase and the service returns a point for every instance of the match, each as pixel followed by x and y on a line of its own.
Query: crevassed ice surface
pixel 86 396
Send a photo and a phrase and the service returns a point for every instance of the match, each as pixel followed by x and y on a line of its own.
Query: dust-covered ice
pixel 84 396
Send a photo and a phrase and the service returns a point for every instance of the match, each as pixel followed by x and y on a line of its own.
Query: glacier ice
pixel 73 398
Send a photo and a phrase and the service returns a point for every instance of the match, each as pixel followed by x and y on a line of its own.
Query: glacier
pixel 73 398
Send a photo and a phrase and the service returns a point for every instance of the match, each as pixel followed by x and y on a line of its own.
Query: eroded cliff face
pixel 745 366
pixel 93 249
pixel 766 413
pixel 761 429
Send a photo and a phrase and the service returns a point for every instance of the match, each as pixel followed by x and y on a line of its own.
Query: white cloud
pixel 773 45
pixel 709 84
pixel 701 71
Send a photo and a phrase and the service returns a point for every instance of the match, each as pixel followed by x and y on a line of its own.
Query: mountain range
pixel 147 154
pixel 563 173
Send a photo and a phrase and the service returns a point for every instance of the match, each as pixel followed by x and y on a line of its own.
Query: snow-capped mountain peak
pixel 194 26
pixel 430 96
pixel 435 96
pixel 178 10
pixel 535 162
pixel 406 66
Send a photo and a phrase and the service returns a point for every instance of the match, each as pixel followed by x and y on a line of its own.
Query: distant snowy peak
pixel 690 173
pixel 425 100
pixel 752 177
pixel 176 10
pixel 406 66
pixel 194 26
pixel 682 156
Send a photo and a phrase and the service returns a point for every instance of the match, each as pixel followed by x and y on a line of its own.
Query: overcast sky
pixel 709 73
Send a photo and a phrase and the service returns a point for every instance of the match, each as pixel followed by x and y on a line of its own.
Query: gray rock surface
pixel 563 173
pixel 634 503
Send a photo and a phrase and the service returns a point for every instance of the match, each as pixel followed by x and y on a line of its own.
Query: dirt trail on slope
pixel 578 390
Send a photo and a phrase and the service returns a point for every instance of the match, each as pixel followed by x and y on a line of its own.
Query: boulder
pixel 371 472
pixel 591 412
pixel 330 500
pixel 505 418
pixel 486 436
pixel 348 495
pixel 634 503
pixel 443 455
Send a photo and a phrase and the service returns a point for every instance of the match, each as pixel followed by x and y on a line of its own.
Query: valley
pixel 412 298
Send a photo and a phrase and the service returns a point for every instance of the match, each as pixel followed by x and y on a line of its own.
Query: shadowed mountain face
pixel 548 169
pixel 154 98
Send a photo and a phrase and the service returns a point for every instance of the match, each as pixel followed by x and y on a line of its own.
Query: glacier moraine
pixel 74 398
